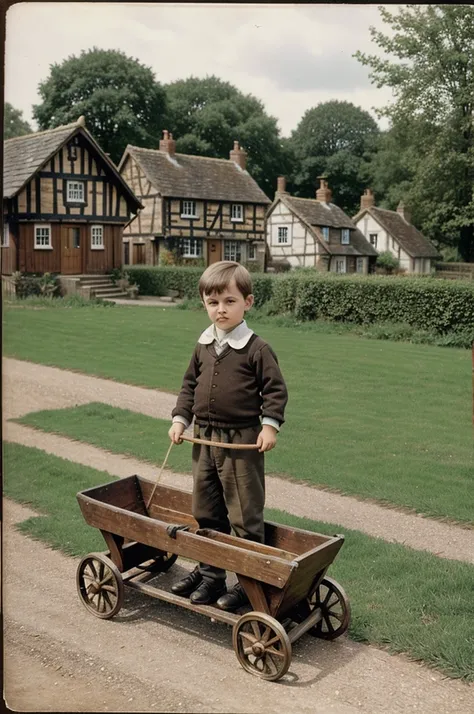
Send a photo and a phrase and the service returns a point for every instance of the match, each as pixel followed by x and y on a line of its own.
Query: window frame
pixel 5 236
pixel 237 219
pixel 72 200
pixel 325 233
pixel 196 243
pixel 343 261
pixel 38 227
pixel 96 246
pixel 186 202
pixel 253 247
pixel 287 236
pixel 345 234
pixel 360 261
pixel 372 237
pixel 230 245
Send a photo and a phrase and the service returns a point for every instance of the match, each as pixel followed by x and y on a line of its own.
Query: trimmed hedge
pixel 422 302
pixel 157 280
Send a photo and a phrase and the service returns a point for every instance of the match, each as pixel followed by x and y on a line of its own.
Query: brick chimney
pixel 367 199
pixel 239 156
pixel 323 193
pixel 404 212
pixel 167 143
pixel 281 185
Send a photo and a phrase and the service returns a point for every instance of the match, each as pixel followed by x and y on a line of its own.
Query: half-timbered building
pixel 393 232
pixel 307 232
pixel 205 209
pixel 64 204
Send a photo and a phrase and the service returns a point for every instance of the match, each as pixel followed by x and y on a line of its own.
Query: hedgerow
pixel 422 302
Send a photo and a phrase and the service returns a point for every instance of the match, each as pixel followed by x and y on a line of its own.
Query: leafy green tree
pixel 13 122
pixel 431 74
pixel 207 115
pixel 337 139
pixel 119 97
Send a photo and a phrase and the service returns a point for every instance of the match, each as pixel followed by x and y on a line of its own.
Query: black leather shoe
pixel 188 584
pixel 207 593
pixel 233 599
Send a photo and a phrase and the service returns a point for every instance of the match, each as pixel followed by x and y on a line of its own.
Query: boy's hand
pixel 175 432
pixel 267 438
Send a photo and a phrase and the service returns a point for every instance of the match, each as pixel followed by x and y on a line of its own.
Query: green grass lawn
pixel 384 420
pixel 401 599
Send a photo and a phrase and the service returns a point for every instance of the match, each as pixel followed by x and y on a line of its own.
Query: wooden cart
pixel 285 579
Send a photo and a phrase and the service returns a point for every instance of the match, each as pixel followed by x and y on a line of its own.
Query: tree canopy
pixel 431 73
pixel 336 139
pixel 13 122
pixel 119 97
pixel 207 115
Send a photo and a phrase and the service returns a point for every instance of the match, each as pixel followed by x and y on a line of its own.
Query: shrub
pixel 387 261
pixel 26 285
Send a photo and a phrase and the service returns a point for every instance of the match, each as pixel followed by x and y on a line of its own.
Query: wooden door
pixel 71 253
pixel 214 250
pixel 139 256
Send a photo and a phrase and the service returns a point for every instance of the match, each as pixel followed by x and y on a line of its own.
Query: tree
pixel 431 74
pixel 13 123
pixel 335 138
pixel 207 115
pixel 119 97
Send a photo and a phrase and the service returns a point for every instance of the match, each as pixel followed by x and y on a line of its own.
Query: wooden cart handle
pixel 220 444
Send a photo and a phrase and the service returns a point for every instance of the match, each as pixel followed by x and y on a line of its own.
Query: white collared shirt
pixel 236 339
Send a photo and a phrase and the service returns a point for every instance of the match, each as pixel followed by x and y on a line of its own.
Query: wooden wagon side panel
pixel 303 579
pixel 236 558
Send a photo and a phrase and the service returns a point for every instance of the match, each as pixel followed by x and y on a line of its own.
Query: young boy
pixel 236 393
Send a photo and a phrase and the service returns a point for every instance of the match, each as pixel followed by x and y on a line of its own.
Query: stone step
pixel 108 292
pixel 98 284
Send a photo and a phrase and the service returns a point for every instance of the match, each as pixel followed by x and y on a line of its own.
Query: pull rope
pixel 159 475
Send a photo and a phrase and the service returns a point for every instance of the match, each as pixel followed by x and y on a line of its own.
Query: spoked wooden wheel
pixel 262 646
pixel 100 585
pixel 335 608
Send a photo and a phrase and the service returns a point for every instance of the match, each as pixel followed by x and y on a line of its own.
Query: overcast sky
pixel 292 57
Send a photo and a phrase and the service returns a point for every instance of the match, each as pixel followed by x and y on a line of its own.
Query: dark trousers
pixel 229 487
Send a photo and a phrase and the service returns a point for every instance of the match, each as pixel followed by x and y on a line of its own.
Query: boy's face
pixel 227 309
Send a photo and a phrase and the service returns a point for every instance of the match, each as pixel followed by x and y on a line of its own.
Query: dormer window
pixel 345 236
pixel 325 232
pixel 237 212
pixel 188 209
pixel 75 192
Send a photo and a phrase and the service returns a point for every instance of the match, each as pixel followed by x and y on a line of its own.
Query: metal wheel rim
pixel 262 645
pixel 99 585
pixel 335 607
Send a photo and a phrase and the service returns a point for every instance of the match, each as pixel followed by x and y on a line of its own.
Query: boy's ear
pixel 249 301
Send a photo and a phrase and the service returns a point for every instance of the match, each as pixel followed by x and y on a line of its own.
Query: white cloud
pixel 291 57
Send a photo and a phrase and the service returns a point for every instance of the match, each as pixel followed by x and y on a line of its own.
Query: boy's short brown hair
pixel 217 277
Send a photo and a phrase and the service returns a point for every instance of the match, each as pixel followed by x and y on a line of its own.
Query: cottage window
pixel 189 209
pixel 283 234
pixel 373 239
pixel 325 232
pixel 97 237
pixel 251 251
pixel 6 235
pixel 75 191
pixel 232 250
pixel 340 265
pixel 345 236
pixel 192 248
pixel 43 237
pixel 360 265
pixel 237 212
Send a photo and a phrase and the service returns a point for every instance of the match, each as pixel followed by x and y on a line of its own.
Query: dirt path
pixel 156 657
pixel 29 387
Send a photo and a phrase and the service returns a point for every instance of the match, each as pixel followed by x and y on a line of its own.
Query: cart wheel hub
pixel 94 587
pixel 258 649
